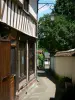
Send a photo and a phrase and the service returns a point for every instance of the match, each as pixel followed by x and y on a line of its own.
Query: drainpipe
pixel 27 58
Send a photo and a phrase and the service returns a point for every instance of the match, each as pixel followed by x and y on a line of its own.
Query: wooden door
pixel 5 73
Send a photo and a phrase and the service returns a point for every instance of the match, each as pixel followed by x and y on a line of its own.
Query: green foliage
pixel 56 35
pixel 59 34
pixel 41 60
pixel 66 7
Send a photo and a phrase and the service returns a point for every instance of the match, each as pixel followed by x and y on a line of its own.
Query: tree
pixel 59 34
pixel 56 35
pixel 41 60
pixel 66 7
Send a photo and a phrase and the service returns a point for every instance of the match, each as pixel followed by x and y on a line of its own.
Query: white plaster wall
pixel 73 70
pixel 63 66
pixel 33 8
pixel 5 11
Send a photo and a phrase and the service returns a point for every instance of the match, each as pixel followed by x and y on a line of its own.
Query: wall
pixel 64 66
pixel 73 71
pixel 33 8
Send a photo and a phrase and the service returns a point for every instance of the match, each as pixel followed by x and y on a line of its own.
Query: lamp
pixel 52 17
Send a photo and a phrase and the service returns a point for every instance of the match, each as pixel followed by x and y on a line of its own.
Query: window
pixel 26 5
pixel 13 60
pixel 22 61
pixel 31 59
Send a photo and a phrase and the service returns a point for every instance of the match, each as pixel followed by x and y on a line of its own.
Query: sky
pixel 45 9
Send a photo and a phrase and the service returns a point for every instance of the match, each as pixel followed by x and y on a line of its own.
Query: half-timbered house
pixel 18 25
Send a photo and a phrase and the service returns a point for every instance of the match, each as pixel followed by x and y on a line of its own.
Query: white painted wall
pixel 64 66
pixel 73 70
pixel 33 8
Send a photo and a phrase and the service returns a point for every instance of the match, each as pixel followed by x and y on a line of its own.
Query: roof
pixel 40 51
pixel 66 53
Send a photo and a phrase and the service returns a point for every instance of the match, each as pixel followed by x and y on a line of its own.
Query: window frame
pixel 24 72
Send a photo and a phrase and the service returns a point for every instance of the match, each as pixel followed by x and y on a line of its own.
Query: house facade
pixel 18 24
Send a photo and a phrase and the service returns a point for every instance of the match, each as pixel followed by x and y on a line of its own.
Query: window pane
pixel 21 60
pixel 13 61
pixel 22 63
pixel 31 58
pixel 19 63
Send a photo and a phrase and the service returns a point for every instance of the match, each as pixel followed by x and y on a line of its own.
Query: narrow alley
pixel 37 49
pixel 44 90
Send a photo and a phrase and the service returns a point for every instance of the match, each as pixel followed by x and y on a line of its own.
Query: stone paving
pixel 44 90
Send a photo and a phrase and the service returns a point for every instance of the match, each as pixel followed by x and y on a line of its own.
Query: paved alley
pixel 44 90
